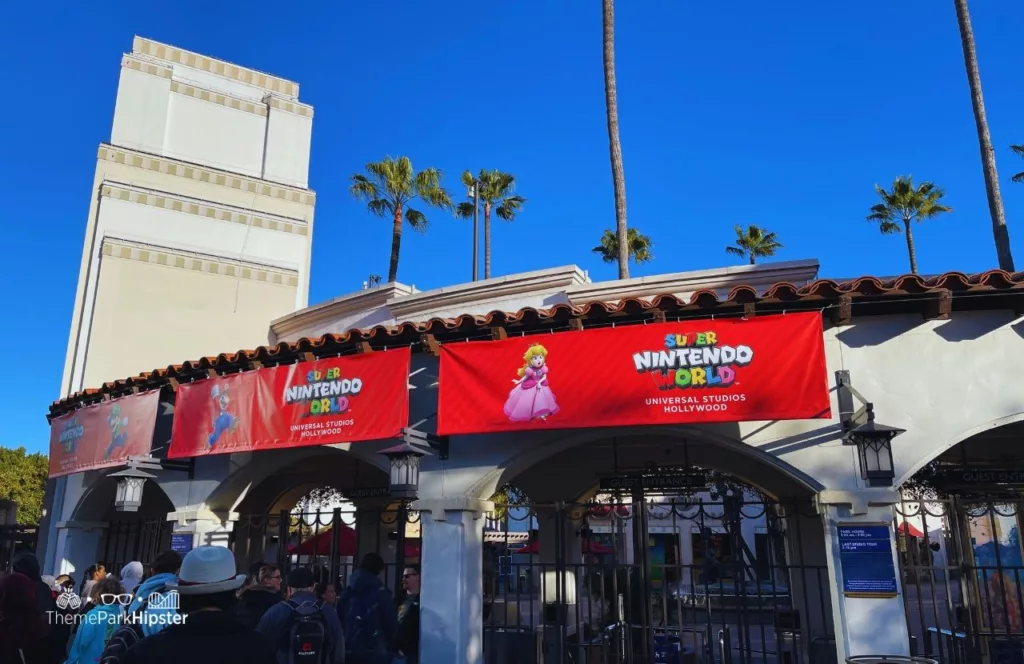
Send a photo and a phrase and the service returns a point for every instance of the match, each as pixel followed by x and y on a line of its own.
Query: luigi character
pixel 224 421
pixel 118 429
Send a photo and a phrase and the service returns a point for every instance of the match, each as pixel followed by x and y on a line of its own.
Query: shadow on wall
pixel 960 327
pixel 1018 328
pixel 436 637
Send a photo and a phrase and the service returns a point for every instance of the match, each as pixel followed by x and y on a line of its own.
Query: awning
pixel 320 545
pixel 586 546
pixel 910 529
pixel 500 537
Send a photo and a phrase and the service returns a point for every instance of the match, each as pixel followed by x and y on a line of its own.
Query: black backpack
pixel 307 635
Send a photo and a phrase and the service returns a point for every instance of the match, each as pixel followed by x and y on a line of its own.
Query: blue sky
pixel 737 112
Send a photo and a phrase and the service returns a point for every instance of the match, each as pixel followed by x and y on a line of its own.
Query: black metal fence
pixel 723 580
pixel 962 571
pixel 15 538
pixel 134 539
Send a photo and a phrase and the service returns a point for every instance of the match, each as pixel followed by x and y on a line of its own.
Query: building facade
pixel 200 221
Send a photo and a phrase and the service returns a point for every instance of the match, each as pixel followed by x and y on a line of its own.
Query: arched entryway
pixel 650 543
pixel 958 526
pixel 126 536
pixel 324 508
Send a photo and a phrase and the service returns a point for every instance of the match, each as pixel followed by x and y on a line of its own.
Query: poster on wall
pixel 103 435
pixel 337 400
pixel 731 370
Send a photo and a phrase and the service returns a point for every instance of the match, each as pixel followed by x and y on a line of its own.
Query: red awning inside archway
pixel 320 545
pixel 910 529
pixel 586 546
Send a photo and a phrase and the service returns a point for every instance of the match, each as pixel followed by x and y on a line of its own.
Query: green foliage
pixel 754 242
pixel 640 247
pixel 905 203
pixel 23 480
pixel 1019 151
pixel 496 192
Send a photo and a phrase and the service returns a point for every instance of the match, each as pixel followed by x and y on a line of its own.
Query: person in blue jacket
pixel 97 625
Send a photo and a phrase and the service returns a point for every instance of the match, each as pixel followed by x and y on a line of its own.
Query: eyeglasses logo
pixel 68 600
pixel 124 599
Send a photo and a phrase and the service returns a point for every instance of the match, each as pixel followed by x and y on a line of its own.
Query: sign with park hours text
pixel 730 370
pixel 866 560
pixel 337 400
pixel 103 435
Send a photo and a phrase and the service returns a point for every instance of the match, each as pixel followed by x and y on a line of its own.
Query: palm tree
pixel 496 195
pixel 638 247
pixel 906 203
pixel 388 189
pixel 1019 151
pixel 753 243
pixel 988 154
pixel 612 109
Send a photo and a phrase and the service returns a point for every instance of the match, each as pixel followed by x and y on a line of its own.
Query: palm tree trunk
pixel 988 155
pixel 910 246
pixel 396 245
pixel 487 240
pixel 612 109
pixel 752 260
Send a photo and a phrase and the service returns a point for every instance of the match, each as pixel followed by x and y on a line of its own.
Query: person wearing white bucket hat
pixel 205 630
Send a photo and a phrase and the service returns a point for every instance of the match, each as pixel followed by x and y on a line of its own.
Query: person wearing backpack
pixel 148 619
pixel 369 618
pixel 303 630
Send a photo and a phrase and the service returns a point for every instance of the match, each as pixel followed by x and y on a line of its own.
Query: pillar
pixel 193 528
pixel 451 594
pixel 77 546
pixel 864 625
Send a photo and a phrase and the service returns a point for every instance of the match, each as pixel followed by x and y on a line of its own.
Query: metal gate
pixel 15 538
pixel 721 579
pixel 330 542
pixel 131 540
pixel 963 578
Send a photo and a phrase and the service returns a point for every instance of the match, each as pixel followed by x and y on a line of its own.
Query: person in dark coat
pixel 368 614
pixel 263 593
pixel 24 633
pixel 26 563
pixel 208 631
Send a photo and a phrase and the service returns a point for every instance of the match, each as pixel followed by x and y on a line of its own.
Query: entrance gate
pixel 677 580
pixel 134 539
pixel 963 578
pixel 13 539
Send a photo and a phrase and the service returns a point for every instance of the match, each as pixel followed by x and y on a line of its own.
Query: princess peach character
pixel 531 398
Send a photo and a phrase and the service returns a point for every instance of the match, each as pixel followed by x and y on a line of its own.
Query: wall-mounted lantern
pixel 874 449
pixel 404 475
pixel 130 483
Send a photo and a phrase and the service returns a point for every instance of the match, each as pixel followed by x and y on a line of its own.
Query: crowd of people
pixel 199 609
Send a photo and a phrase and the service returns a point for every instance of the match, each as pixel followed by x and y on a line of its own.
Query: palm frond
pixel 1019 177
pixel 510 207
pixel 905 202
pixel 380 207
pixel 416 219
pixel 1018 150
pixel 736 251
pixel 464 210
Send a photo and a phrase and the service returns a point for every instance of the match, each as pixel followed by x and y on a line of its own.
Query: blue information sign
pixel 181 542
pixel 866 561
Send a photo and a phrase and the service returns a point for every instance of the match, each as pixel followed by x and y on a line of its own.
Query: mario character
pixel 224 422
pixel 118 429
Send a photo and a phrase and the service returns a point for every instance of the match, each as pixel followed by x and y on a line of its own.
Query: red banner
pixel 732 370
pixel 103 435
pixel 340 400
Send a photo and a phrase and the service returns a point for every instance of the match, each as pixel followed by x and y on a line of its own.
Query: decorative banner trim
pixel 103 435
pixel 337 400
pixel 730 370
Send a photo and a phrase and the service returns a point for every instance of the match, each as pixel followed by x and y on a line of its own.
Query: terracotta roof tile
pixel 818 294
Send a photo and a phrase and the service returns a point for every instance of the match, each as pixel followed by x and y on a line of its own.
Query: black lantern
pixel 405 469
pixel 130 483
pixel 874 448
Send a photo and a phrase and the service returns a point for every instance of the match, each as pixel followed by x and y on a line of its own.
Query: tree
pixel 638 247
pixel 988 153
pixel 23 480
pixel 753 243
pixel 390 187
pixel 906 203
pixel 611 102
pixel 496 193
pixel 1019 151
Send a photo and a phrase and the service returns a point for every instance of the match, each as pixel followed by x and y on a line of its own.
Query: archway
pixel 324 509
pixel 959 523
pixel 126 536
pixel 683 535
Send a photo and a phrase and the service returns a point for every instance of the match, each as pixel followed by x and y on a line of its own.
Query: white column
pixel 451 594
pixel 865 625
pixel 207 528
pixel 77 546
